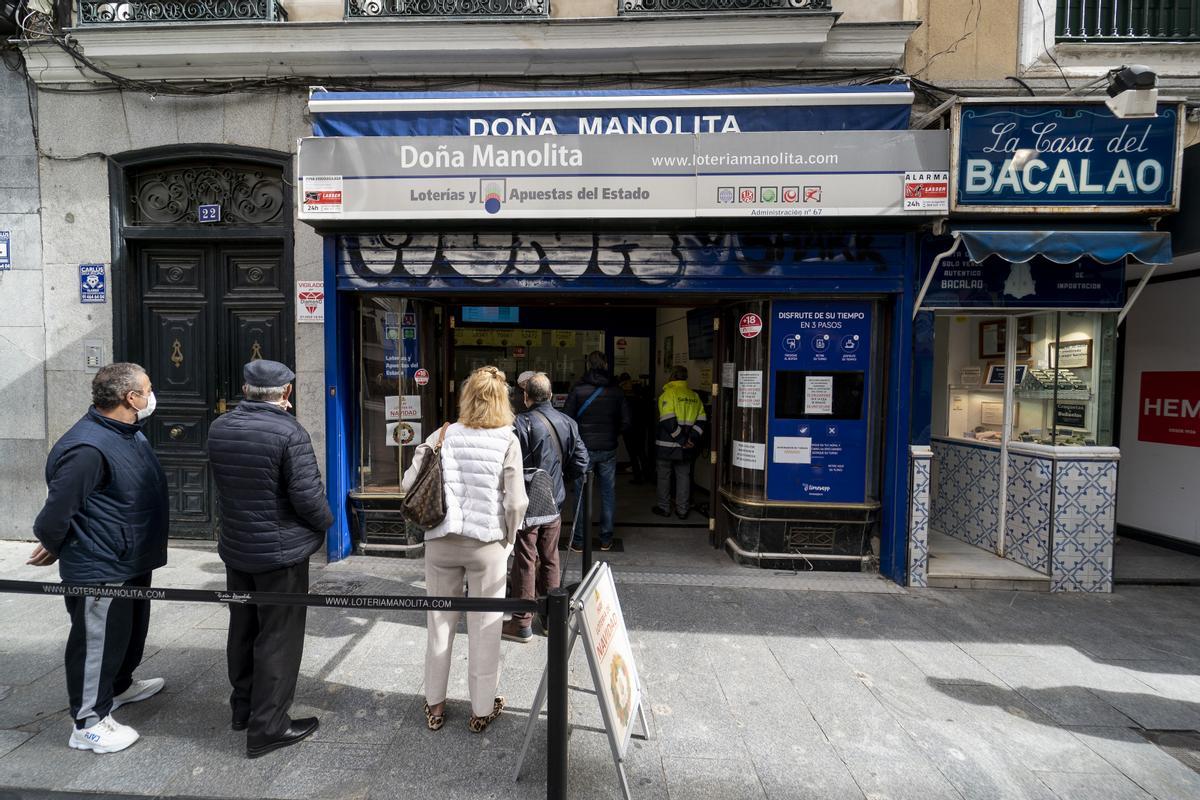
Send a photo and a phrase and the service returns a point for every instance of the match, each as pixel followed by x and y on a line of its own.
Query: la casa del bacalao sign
pixel 1063 157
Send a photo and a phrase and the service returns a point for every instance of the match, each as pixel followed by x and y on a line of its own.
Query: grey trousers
pixel 683 484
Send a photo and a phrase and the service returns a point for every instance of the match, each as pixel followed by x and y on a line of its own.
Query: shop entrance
pixel 789 459
pixel 415 353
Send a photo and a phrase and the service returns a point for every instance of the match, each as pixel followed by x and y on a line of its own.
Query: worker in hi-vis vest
pixel 680 426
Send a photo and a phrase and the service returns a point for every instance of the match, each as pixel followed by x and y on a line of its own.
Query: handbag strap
pixel 441 437
pixel 554 435
pixel 591 397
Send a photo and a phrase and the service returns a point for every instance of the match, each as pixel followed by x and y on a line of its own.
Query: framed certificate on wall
pixel 993 332
pixel 1071 355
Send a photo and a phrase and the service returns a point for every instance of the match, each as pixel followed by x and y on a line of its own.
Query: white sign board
pixel 749 455
pixel 749 388
pixel 728 375
pixel 792 450
pixel 611 654
pixel 818 394
pixel 403 434
pixel 406 406
pixel 310 301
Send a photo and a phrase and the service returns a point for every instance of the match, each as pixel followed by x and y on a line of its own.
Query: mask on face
pixel 151 404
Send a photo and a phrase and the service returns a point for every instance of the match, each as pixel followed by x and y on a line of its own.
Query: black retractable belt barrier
pixel 587 523
pixel 556 610
pixel 385 601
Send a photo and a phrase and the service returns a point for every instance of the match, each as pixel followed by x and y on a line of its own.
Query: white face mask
pixel 151 404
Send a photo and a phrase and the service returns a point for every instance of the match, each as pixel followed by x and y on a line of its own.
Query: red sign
pixel 421 376
pixel 927 190
pixel 750 325
pixel 621 343
pixel 518 352
pixel 1169 408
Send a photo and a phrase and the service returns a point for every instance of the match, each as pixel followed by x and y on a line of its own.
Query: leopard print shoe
pixel 479 724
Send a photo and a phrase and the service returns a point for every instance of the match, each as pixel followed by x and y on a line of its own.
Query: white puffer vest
pixel 473 471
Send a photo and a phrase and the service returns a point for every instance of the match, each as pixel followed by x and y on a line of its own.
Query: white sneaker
pixel 106 736
pixel 138 691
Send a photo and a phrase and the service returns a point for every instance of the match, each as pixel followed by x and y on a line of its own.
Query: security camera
pixel 1132 92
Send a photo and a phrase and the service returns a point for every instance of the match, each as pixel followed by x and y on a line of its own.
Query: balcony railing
pixel 107 12
pixel 1128 20
pixel 365 9
pixel 700 6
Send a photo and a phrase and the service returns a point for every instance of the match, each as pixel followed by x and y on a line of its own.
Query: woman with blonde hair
pixel 485 505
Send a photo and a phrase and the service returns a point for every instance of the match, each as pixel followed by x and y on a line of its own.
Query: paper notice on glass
pixel 403 434
pixel 818 394
pixel 749 388
pixel 793 450
pixel 728 375
pixel 749 455
pixel 410 406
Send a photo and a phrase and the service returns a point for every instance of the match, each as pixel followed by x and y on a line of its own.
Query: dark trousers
pixel 264 650
pixel 535 569
pixel 105 646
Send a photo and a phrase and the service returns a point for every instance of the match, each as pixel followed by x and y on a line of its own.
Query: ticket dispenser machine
pixel 801 481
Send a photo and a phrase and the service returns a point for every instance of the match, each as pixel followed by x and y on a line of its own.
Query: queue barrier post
pixel 589 482
pixel 558 659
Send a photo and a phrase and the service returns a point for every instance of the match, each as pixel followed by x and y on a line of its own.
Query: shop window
pixel 1063 373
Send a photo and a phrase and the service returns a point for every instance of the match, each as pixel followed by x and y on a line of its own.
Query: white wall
pixel 1158 484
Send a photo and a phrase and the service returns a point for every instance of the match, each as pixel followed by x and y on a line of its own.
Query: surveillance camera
pixel 1133 77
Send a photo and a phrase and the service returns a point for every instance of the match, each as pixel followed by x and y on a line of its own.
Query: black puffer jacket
pixel 602 422
pixel 273 508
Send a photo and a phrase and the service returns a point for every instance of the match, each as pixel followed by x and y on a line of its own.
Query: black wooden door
pixel 198 312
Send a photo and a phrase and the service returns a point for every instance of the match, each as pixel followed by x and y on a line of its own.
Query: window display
pixel 1062 377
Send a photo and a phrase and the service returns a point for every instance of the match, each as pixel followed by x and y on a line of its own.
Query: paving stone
pixel 699 778
pixel 1087 786
pixel 11 740
pixel 1143 763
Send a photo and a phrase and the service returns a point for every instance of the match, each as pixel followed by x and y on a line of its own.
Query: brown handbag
pixel 425 503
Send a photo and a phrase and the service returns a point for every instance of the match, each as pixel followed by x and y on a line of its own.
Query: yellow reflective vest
pixel 680 422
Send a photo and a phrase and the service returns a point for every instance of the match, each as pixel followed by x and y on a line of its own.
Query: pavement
pixel 759 685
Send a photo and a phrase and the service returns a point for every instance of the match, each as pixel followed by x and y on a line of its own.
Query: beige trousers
pixel 484 566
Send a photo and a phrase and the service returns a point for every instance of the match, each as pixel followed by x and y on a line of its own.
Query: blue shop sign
pixel 1037 283
pixel 611 112
pixel 1022 157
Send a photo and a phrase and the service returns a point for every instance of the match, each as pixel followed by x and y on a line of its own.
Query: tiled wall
pixel 1029 513
pixel 1085 495
pixel 1059 518
pixel 918 517
pixel 966 492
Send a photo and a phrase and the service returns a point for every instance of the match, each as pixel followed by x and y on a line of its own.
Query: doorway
pixel 197 312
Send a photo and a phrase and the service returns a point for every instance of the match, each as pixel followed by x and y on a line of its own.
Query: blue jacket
pixel 106 515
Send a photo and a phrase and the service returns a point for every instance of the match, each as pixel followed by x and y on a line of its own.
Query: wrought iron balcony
pixel 367 9
pixel 704 6
pixel 117 12
pixel 1128 20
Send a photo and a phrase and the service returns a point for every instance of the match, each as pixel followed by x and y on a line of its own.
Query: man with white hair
pixel 273 517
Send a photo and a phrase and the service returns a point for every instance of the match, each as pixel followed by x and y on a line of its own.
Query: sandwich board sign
pixel 596 618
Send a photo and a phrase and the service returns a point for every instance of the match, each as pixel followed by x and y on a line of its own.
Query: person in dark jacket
pixel 105 522
pixel 550 441
pixel 273 517
pixel 599 407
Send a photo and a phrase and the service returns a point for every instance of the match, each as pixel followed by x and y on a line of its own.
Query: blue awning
pixel 1066 246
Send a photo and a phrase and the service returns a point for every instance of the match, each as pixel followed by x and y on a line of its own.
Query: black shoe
pixel 239 724
pixel 659 512
pixel 682 514
pixel 298 731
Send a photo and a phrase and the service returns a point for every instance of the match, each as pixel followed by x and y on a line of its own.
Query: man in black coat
pixel 550 442
pixel 599 407
pixel 274 515
pixel 105 522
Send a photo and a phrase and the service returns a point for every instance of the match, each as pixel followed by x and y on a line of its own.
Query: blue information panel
pixel 91 284
pixel 820 406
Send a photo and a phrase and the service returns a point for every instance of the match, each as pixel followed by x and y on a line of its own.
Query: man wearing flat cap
pixel 273 517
